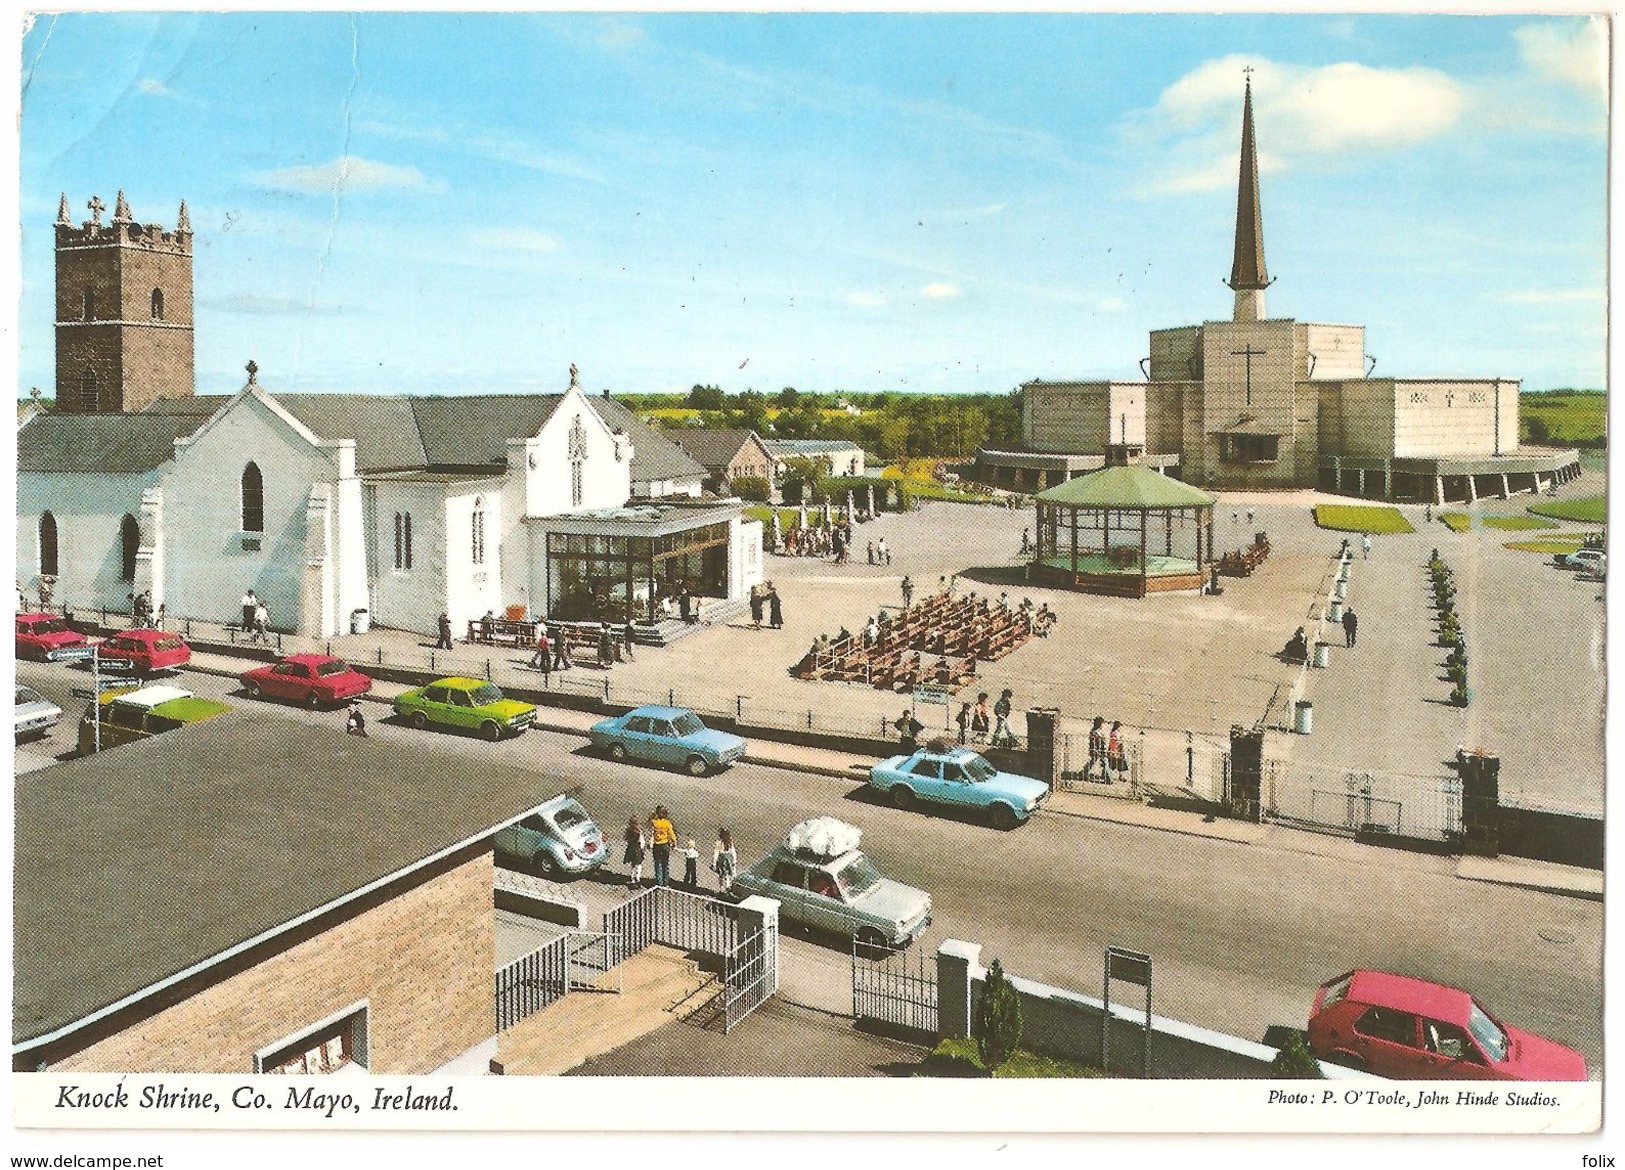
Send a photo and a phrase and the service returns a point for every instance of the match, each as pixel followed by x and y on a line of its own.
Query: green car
pixel 473 703
pixel 132 714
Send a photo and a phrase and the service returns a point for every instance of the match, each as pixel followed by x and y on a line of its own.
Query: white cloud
pixel 515 240
pixel 1573 51
pixel 151 85
pixel 941 292
pixel 1554 296
pixel 345 173
pixel 1110 305
pixel 866 300
pixel 263 305
pixel 1299 112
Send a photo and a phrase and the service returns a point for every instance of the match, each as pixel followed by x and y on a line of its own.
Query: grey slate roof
pixel 715 448
pixel 654 456
pixel 118 443
pixel 227 830
pixel 785 448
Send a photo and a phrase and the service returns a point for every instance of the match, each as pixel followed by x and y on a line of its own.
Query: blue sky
pixel 454 204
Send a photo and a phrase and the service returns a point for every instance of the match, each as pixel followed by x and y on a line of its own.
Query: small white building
pixel 840 456
pixel 325 504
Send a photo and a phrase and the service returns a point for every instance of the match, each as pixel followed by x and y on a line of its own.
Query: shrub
pixel 751 487
pixel 996 1027
pixel 1295 1062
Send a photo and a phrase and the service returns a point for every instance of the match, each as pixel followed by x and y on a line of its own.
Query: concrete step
pixel 584 1024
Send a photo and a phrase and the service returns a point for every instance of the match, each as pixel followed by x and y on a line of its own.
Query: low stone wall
pixel 1064 1023
pixel 1562 837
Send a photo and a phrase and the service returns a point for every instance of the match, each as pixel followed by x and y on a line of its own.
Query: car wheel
pixel 548 867
pixel 902 796
pixel 313 700
pixel 490 732
pixel 1002 817
pixel 697 766
pixel 616 752
pixel 419 720
pixel 871 944
pixel 253 690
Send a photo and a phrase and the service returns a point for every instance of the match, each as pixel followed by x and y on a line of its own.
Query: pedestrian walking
pixel 871 631
pixel 775 611
pixel 1250 514
pixel 262 622
pixel 882 553
pixel 443 642
pixel 662 836
pixel 908 591
pixel 963 720
pixel 248 605
pixel 755 607
pixel 561 648
pixel 908 729
pixel 1351 626
pixel 1097 750
pixel 685 603
pixel 1365 546
pixel 636 843
pixel 542 660
pixel 1115 759
pixel 1001 717
pixel 871 552
pixel 629 636
pixel 355 723
pixel 1026 541
pixel 724 860
pixel 980 720
pixel 606 648
pixel 1427 514
pixel 47 584
pixel 691 865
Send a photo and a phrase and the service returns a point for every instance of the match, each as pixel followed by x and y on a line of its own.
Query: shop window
pixel 1249 448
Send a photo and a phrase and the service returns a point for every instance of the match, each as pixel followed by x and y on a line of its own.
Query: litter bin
pixel 360 621
pixel 1336 614
pixel 1340 590
pixel 1323 654
pixel 1305 717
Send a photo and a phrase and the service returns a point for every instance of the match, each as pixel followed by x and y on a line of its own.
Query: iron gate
pixel 898 990
pixel 1364 804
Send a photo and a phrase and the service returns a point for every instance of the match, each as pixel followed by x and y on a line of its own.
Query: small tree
pixel 996 1027
pixel 1295 1062
pixel 751 487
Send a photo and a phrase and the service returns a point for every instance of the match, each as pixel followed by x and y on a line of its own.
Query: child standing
pixel 724 860
pixel 691 865
pixel 634 852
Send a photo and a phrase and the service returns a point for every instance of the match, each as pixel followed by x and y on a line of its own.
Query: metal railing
pixel 898 990
pixel 1360 803
pixel 750 975
pixel 532 982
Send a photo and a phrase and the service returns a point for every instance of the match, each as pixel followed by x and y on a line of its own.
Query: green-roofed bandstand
pixel 1127 530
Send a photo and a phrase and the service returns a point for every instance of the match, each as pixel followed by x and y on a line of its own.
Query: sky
pixel 433 203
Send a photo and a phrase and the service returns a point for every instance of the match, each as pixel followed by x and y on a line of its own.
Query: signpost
pixel 97 683
pixel 1129 967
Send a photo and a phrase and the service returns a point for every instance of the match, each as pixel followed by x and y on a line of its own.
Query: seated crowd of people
pixel 937 642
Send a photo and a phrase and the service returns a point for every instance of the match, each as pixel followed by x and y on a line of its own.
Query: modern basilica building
pixel 1261 402
pixel 324 504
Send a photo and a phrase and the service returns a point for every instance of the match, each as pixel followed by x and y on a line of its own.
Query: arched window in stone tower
pixel 253 499
pixel 47 546
pixel 129 533
pixel 157 304
pixel 89 398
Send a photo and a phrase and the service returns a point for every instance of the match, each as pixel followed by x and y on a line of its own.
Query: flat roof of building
pixel 137 866
pixel 641 519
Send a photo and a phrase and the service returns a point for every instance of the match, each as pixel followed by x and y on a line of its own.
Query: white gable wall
pixel 606 472
pixel 89 508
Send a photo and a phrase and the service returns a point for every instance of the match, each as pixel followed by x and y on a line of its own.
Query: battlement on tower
pixel 122 231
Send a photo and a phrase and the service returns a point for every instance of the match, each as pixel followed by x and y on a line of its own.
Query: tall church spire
pixel 1248 276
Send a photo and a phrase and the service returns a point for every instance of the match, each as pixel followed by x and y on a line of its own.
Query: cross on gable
pixel 1249 72
pixel 1249 353
pixel 96 208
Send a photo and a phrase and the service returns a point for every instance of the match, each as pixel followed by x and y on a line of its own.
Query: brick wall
pixel 424 960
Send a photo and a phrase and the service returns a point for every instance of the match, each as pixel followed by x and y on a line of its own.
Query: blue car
pixel 667 735
pixel 959 777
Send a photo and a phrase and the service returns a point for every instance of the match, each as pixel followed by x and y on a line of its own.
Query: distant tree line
pixel 890 425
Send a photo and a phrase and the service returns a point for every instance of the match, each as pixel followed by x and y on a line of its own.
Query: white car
pixel 36 714
pixel 1591 560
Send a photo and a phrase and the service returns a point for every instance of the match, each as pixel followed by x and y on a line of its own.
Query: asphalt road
pixel 1240 935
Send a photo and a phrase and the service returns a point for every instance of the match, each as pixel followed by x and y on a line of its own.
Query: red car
pixel 311 679
pixel 39 635
pixel 143 651
pixel 1409 1029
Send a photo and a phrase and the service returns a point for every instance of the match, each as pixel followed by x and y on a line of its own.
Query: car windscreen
pixel 979 768
pixel 489 693
pixel 857 877
pixel 327 669
pixel 687 724
pixel 54 626
pixel 1488 1033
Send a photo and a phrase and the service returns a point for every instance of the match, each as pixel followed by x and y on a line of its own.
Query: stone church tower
pixel 123 311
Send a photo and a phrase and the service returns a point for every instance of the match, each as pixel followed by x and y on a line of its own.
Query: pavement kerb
pixel 1530 875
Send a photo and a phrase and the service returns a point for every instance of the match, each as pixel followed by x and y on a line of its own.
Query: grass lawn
pixel 1586 509
pixel 1563 416
pixel 1456 521
pixel 958 1058
pixel 1517 523
pixel 1361 518
pixel 1551 544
